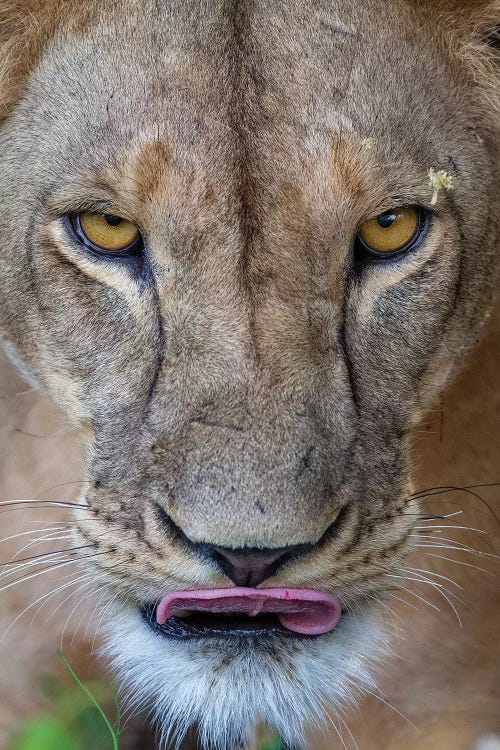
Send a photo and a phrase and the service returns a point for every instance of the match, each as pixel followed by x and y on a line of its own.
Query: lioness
pixel 244 245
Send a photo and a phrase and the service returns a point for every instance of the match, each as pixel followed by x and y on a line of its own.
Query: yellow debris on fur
pixel 368 143
pixel 439 180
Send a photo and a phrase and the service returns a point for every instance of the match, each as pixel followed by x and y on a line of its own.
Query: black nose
pixel 251 566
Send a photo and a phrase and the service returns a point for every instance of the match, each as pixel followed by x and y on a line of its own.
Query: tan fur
pixel 248 380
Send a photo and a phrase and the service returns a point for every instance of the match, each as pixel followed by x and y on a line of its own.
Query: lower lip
pixel 199 625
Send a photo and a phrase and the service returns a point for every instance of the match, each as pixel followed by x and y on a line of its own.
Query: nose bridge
pixel 253 474
pixel 246 354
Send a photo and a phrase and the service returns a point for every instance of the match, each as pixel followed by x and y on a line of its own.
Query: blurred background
pixel 441 690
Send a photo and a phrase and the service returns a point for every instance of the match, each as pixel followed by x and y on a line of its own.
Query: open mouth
pixel 248 612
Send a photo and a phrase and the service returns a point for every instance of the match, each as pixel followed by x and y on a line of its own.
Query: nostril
pixel 246 566
pixel 250 566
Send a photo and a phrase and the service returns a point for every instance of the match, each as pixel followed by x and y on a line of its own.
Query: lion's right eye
pixel 106 234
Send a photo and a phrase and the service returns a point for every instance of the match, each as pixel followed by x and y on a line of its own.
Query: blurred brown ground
pixel 445 679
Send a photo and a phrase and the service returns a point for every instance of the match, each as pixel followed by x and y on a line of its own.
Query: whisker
pixel 93 592
pixel 65 484
pixel 412 593
pixel 460 562
pixel 90 619
pixel 13 565
pixel 449 526
pixel 346 727
pixel 59 536
pixel 50 503
pixel 56 565
pixel 83 580
pixel 403 601
pixel 33 604
pixel 469 490
pixel 486 541
pixel 337 732
pixel 45 596
pixel 43 555
pixel 389 705
pixel 438 575
pixel 26 533
pixel 444 593
pixel 108 605
pixel 467 550
pixel 8 396
pixel 439 539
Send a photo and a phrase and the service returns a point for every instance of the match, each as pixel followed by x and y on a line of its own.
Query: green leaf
pixel 45 734
pixel 271 742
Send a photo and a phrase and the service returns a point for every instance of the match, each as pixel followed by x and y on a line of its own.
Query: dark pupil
pixel 386 220
pixel 113 221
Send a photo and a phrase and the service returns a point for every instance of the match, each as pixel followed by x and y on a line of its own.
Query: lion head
pixel 243 247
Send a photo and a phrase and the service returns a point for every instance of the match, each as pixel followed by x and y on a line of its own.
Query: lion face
pixel 227 257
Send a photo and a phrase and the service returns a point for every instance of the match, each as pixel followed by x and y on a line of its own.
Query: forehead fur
pixel 26 25
pixel 25 28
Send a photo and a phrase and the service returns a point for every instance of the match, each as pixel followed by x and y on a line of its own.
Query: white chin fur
pixel 226 687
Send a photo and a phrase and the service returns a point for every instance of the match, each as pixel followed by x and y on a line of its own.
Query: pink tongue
pixel 300 610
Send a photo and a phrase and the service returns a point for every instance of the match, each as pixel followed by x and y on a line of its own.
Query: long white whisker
pixel 33 604
pixel 26 533
pixel 445 515
pixel 403 601
pixel 56 537
pixel 56 566
pixel 346 727
pixel 432 573
pixel 389 705
pixel 94 593
pixel 449 526
pixel 444 593
pixel 413 593
pixel 90 617
pixel 429 545
pixel 460 562
pixel 83 580
pixel 443 539
pixel 13 567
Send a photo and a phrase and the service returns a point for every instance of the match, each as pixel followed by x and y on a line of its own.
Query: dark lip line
pixel 177 629
pixel 200 548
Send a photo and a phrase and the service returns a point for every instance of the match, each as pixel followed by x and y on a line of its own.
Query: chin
pixel 227 683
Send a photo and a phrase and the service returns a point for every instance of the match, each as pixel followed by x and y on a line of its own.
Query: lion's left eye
pixel 393 232
pixel 106 234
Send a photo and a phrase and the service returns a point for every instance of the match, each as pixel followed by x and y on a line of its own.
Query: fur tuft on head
pixel 471 33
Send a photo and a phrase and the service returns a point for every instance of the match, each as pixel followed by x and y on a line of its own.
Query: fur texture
pixel 289 688
pixel 246 378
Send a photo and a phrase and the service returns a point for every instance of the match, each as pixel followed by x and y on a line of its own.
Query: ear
pixel 471 31
pixel 468 15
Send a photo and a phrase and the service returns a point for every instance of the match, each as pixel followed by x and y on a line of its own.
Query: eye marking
pixel 393 233
pixel 106 234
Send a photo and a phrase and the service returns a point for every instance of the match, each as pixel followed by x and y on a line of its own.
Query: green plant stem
pixel 118 715
pixel 92 699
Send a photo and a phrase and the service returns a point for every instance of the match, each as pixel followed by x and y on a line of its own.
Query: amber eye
pixel 106 233
pixel 393 232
